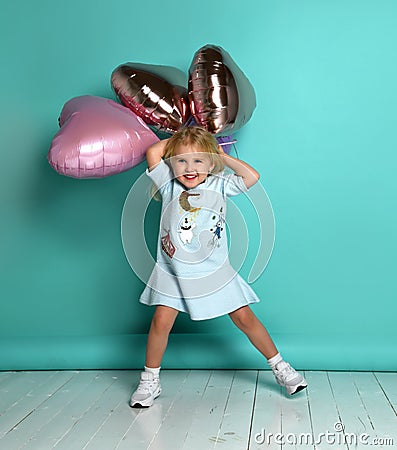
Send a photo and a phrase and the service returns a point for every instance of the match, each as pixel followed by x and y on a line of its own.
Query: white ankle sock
pixel 155 371
pixel 274 360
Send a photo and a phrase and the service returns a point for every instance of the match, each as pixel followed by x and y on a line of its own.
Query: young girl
pixel 192 272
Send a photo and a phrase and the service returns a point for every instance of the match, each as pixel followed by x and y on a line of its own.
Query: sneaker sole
pixel 297 389
pixel 146 403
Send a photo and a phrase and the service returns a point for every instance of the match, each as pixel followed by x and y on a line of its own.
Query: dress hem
pixel 197 319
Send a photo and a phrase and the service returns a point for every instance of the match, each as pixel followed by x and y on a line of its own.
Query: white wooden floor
pixel 197 410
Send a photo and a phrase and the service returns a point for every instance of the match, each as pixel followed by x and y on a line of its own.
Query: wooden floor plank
pixel 18 386
pixel 388 383
pixel 4 376
pixel 266 414
pixel 296 421
pixel 323 409
pixel 354 418
pixel 377 406
pixel 236 423
pixel 14 418
pixel 118 422
pixel 62 424
pixel 97 413
pixel 38 395
pixel 178 418
pixel 148 421
pixel 203 432
pixel 48 410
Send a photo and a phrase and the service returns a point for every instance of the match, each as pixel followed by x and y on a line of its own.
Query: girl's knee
pixel 163 321
pixel 243 318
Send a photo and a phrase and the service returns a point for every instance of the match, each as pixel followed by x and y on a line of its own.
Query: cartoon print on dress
pixel 216 229
pixel 184 201
pixel 167 245
pixel 188 221
pixel 185 230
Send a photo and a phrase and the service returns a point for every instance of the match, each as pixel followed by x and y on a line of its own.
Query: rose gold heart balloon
pixel 98 138
pixel 155 93
pixel 221 97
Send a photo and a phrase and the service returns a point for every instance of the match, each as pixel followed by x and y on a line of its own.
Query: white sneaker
pixel 149 388
pixel 289 378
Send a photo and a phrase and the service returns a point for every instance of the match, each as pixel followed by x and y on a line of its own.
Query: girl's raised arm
pixel 249 175
pixel 154 153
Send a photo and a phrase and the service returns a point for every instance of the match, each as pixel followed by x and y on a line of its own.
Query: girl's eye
pixel 198 161
pixel 181 160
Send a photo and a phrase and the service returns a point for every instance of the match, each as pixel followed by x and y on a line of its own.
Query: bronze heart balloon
pixel 155 93
pixel 221 97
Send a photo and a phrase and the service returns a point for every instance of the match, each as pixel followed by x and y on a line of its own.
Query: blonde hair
pixel 198 137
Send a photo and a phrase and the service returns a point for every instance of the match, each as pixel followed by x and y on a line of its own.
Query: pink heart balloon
pixel 98 138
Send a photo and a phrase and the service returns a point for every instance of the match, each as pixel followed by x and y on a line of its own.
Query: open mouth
pixel 190 176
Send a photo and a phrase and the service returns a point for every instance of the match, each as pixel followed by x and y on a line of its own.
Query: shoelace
pixel 145 386
pixel 285 372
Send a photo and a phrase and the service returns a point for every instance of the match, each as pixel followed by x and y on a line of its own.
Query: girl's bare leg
pixel 162 323
pixel 249 324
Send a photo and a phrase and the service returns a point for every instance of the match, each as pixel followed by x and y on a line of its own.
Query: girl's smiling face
pixel 190 165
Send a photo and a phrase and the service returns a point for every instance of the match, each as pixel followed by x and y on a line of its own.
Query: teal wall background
pixel 323 137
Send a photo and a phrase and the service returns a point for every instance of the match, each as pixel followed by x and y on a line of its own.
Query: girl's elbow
pixel 253 179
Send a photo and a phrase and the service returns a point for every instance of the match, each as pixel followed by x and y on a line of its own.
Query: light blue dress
pixel 192 273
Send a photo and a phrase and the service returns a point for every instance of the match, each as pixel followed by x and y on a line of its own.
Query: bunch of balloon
pixel 99 137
